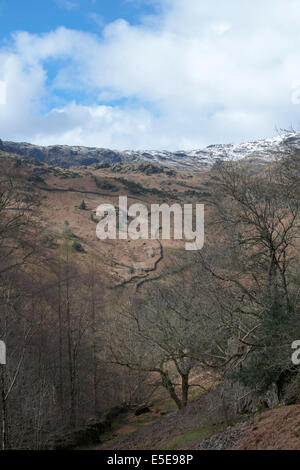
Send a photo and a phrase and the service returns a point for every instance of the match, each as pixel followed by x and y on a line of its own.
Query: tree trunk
pixel 166 382
pixel 4 411
pixel 70 351
pixel 94 346
pixel 184 389
pixel 60 348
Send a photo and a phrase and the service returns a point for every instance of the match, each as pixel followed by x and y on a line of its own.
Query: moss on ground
pixel 185 440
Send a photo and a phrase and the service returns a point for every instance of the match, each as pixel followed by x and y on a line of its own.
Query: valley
pixel 133 322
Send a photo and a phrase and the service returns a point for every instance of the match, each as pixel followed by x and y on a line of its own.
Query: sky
pixel 148 74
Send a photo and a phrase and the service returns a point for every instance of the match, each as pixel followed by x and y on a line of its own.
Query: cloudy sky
pixel 152 74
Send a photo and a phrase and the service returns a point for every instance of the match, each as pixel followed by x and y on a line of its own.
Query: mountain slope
pixel 195 160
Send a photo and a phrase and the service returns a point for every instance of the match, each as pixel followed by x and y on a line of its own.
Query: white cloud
pixel 195 73
pixel 2 92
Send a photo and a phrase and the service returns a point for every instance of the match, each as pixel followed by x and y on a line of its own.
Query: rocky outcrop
pixel 62 155
pixel 225 440
pixel 86 435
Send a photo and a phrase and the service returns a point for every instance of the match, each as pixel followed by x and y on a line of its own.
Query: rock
pixel 226 439
pixel 142 410
pixel 89 434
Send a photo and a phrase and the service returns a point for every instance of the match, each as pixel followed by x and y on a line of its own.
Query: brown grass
pixel 278 429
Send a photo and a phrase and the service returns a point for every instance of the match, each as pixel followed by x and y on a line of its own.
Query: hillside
pixel 61 191
pixel 191 161
pixel 203 426
pixel 124 320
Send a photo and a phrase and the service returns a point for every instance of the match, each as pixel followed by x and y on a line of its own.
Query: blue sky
pixel 38 16
pixel 152 74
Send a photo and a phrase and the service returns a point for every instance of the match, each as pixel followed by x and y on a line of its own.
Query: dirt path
pixel 184 429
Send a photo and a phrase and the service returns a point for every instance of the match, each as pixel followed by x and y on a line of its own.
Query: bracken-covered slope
pixel 195 160
pixel 59 193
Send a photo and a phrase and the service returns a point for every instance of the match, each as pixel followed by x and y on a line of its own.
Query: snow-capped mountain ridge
pixel 264 149
pixel 194 160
